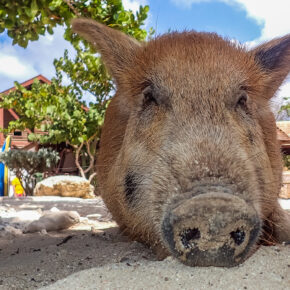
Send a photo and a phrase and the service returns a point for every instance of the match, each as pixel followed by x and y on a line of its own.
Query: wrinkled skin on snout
pixel 190 162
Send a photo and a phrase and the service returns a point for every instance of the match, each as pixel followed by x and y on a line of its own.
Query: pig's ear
pixel 274 58
pixel 117 49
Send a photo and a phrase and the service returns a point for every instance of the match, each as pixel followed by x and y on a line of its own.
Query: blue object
pixel 2 172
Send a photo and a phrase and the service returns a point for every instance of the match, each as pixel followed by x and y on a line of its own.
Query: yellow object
pixel 18 187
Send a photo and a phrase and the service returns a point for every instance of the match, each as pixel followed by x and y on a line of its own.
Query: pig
pixel 189 161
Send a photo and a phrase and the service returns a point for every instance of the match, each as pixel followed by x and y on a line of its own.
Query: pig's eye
pixel 149 98
pixel 242 101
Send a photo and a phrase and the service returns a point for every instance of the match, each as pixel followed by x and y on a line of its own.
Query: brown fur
pixel 198 134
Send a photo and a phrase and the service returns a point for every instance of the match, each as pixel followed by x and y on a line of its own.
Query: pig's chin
pixel 215 228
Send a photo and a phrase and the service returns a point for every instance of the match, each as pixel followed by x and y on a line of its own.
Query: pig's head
pixel 189 157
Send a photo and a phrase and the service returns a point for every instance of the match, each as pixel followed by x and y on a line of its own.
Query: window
pixel 17 133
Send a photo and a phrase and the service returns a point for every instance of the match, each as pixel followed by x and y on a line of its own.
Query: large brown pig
pixel 189 159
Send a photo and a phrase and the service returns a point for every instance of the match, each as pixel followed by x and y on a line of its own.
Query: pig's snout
pixel 211 229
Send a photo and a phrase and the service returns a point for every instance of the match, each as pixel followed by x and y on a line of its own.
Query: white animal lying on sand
pixel 53 221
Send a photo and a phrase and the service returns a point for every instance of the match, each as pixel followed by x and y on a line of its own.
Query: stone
pixel 66 186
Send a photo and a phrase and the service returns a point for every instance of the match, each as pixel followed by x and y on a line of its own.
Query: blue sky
pixel 248 21
pixel 227 20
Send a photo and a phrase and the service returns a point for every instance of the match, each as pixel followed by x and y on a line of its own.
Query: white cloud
pixel 134 4
pixel 272 15
pixel 13 67
pixel 19 64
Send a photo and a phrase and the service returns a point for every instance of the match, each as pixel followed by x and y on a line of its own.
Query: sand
pixel 94 255
pixel 269 269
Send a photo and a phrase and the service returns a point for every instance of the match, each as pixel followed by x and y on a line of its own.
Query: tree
pixel 56 108
pixel 26 20
pixel 286 159
pixel 25 164
pixel 285 107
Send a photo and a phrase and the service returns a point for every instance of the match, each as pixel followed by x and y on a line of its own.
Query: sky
pixel 247 21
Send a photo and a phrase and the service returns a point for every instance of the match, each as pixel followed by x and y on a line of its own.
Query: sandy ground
pixel 94 255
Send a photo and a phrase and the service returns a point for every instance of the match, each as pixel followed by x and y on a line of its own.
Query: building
pixel 19 139
pixel 283 131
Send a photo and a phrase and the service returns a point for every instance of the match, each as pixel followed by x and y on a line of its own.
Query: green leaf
pixel 34 9
pixel 43 127
pixel 50 110
pixel 54 4
pixel 49 29
pixel 8 23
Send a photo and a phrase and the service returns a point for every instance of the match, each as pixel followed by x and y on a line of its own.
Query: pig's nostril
pixel 188 235
pixel 238 236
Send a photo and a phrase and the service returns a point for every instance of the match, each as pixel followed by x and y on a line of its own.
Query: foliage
pixel 26 20
pixel 86 71
pixel 55 108
pixel 25 164
pixel 286 107
pixel 286 159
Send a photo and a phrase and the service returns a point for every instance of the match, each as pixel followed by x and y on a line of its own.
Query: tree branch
pixel 70 5
pixel 92 176
pixel 78 150
pixel 92 158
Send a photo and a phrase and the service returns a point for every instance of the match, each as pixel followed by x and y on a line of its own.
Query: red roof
pixel 282 136
pixel 284 126
pixel 29 82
